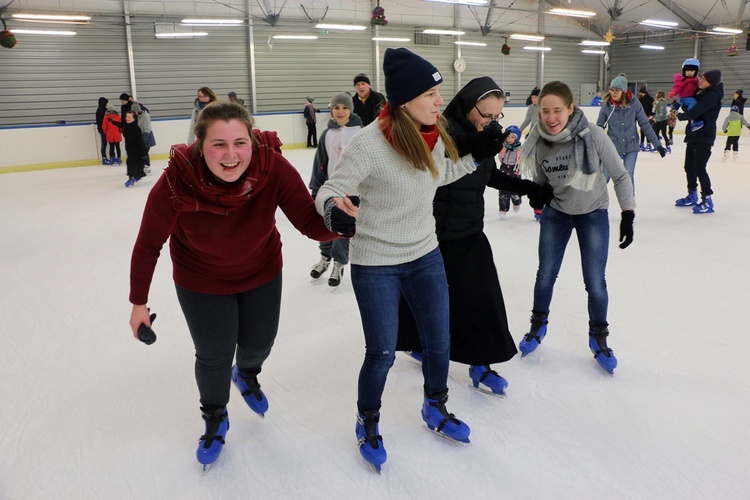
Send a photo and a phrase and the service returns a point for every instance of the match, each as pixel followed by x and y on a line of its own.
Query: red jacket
pixel 223 238
pixel 111 130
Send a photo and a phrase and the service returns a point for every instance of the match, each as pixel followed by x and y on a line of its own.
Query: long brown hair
pixel 408 141
pixel 210 93
pixel 220 111
pixel 625 98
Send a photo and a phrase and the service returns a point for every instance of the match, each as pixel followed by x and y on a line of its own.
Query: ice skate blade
pixel 206 468
pixel 447 437
pixel 500 395
pixel 376 468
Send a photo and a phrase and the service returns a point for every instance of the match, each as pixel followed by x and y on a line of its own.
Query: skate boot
pixel 416 355
pixel 502 214
pixel 669 149
pixel 706 206
pixel 336 274
pixel 118 160
pixel 726 155
pixel 250 390
pixel 598 345
pixel 486 376
pixel 111 161
pixel 650 148
pixel 689 201
pixel 130 182
pixel 643 148
pixel 439 420
pixel 105 161
pixel 735 155
pixel 516 202
pixel 368 436
pixel 321 267
pixel 211 443
pixel 696 125
pixel 538 330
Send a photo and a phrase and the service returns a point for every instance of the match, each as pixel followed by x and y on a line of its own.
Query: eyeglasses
pixel 494 118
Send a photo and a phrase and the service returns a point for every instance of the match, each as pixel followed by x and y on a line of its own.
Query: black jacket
pixel 370 109
pixel 740 103
pixel 648 104
pixel 100 113
pixel 707 109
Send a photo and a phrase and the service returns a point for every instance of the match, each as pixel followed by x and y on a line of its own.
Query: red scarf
pixel 622 103
pixel 429 134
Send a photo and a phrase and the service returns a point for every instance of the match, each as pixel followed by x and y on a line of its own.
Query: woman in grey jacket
pixel 619 114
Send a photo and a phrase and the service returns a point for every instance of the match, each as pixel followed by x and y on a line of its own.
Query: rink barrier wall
pixel 44 147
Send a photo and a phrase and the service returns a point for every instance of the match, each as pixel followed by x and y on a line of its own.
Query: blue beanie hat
pixel 514 130
pixel 407 75
pixel 620 82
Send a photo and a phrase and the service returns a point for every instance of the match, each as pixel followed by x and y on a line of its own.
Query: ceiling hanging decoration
pixel 378 16
pixel 609 36
pixel 505 49
pixel 7 38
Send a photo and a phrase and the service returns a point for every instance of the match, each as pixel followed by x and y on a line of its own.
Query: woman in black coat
pixel 478 321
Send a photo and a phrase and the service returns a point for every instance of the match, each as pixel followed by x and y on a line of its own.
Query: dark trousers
pixel 643 133
pixel 671 134
pixel 696 159
pixel 103 137
pixel 312 135
pixel 220 324
pixel 733 143
pixel 661 128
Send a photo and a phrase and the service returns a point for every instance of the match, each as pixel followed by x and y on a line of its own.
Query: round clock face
pixel 459 65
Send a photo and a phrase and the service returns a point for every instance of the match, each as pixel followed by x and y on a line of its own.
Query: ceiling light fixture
pixel 43 32
pixel 727 31
pixel 185 34
pixel 52 18
pixel 572 12
pixel 594 43
pixel 530 38
pixel 473 44
pixel 543 49
pixel 348 27
pixel 461 2
pixel 592 51
pixel 658 24
pixel 211 22
pixel 294 37
pixel 443 32
pixel 652 47
pixel 390 39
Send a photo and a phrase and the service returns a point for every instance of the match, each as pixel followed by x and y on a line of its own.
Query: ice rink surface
pixel 90 413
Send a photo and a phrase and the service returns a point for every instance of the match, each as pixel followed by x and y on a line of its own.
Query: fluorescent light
pixel 652 47
pixel 294 37
pixel 473 44
pixel 729 31
pixel 544 49
pixel 572 13
pixel 658 24
pixel 52 17
pixel 212 22
pixel 443 32
pixel 531 38
pixel 591 51
pixel 350 27
pixel 462 2
pixel 44 32
pixel 389 39
pixel 184 34
pixel 594 43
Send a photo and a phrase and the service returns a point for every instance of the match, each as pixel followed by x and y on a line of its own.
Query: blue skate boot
pixel 689 201
pixel 211 443
pixel 538 330
pixel 250 390
pixel 598 345
pixel 486 376
pixel 439 420
pixel 696 125
pixel 370 441
pixel 105 161
pixel 130 182
pixel 416 355
pixel 706 206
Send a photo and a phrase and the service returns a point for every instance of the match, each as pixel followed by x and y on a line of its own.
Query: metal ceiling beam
pixel 682 15
pixel 741 9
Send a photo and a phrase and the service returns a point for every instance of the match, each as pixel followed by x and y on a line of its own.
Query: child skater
pixel 112 125
pixel 341 128
pixel 733 128
pixel 685 86
pixel 135 148
pixel 674 110
pixel 508 162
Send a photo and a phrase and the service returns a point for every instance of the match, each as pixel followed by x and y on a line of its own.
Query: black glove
pixel 540 196
pixel 662 151
pixel 626 228
pixel 488 142
pixel 145 333
pixel 338 221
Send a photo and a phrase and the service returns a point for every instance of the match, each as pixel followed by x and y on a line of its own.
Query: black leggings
pixel 219 324
pixel 733 143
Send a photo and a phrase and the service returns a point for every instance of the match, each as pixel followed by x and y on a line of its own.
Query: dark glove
pixel 145 333
pixel 662 151
pixel 540 196
pixel 626 228
pixel 488 142
pixel 338 221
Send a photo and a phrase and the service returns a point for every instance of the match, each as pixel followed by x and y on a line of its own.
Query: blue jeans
pixel 378 290
pixel 592 230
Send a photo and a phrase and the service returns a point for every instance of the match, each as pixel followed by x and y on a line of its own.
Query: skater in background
pixel 367 102
pixel 619 115
pixel 647 103
pixel 112 125
pixel 597 100
pixel 573 156
pixel 134 147
pixel 205 96
pixel 226 254
pixel 126 104
pixel 739 101
pixel 311 120
pixel 233 97
pixel 700 141
pixel 532 111
pixel 508 158
pixel 659 119
pixel 685 86
pixel 733 128
pixel 396 165
pixel 529 100
pixel 674 110
pixel 479 333
pixel 341 128
pixel 147 131
pixel 100 112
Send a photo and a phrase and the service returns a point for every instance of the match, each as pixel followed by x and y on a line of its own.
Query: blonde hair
pixel 409 143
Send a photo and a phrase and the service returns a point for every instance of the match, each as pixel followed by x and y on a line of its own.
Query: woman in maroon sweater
pixel 216 203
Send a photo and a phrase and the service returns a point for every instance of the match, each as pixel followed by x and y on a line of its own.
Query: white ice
pixel 87 412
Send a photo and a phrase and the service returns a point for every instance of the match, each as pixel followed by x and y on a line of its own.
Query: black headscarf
pixel 467 98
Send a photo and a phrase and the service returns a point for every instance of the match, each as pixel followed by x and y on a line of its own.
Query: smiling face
pixel 485 111
pixel 554 113
pixel 363 89
pixel 341 114
pixel 227 149
pixel 425 109
pixel 129 117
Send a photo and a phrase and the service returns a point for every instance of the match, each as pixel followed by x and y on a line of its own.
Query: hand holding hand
pixel 541 196
pixel 340 215
pixel 626 228
pixel 662 151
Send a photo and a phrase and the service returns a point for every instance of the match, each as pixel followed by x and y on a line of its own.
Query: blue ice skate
pixel 696 125
pixel 416 355
pixel 598 345
pixel 486 376
pixel 211 443
pixel 706 206
pixel 538 330
pixel 130 182
pixel 370 441
pixel 105 161
pixel 437 418
pixel 689 201
pixel 250 390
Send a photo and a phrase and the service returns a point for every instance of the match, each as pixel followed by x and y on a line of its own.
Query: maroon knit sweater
pixel 223 238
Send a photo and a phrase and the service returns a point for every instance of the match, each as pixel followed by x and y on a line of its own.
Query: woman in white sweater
pixel 396 164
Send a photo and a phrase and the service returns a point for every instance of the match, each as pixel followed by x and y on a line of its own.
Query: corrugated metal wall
pixel 566 63
pixel 515 73
pixel 735 71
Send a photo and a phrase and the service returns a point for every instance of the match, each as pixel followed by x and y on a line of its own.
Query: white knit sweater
pixel 395 223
